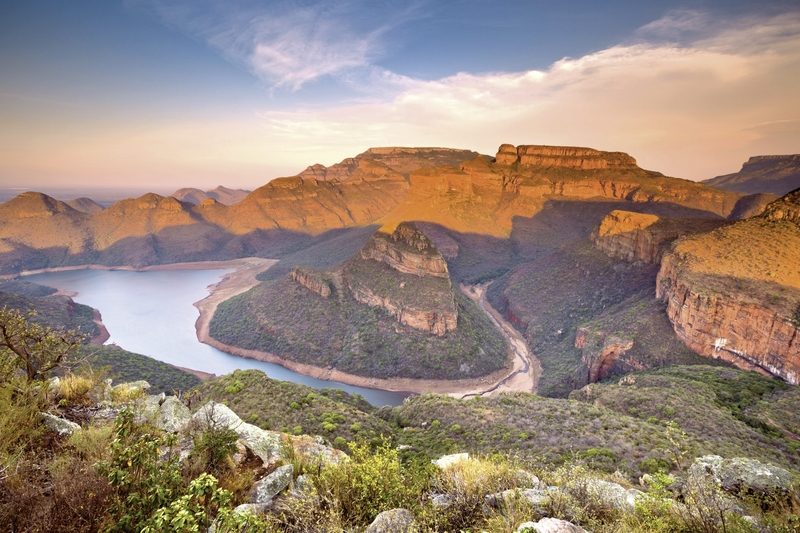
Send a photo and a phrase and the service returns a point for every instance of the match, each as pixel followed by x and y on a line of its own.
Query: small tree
pixel 34 348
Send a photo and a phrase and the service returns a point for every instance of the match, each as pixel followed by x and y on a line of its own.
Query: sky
pixel 158 94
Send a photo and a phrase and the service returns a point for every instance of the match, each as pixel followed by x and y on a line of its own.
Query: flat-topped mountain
pixel 221 194
pixel 562 157
pixel 734 293
pixel 456 189
pixel 776 174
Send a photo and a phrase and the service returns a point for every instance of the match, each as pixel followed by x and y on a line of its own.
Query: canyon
pixel 734 293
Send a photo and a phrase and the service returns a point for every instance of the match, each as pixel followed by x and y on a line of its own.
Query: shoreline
pixel 243 279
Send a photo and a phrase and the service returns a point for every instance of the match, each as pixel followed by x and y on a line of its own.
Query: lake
pixel 151 313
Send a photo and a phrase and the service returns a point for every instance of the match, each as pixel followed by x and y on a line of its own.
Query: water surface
pixel 151 313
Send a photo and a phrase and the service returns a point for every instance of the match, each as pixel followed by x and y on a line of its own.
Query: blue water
pixel 151 313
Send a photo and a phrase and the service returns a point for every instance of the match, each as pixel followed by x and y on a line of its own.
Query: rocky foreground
pixel 297 482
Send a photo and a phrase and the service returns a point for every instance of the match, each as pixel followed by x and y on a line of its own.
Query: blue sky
pixel 201 92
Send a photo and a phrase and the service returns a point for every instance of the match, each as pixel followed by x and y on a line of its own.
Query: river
pixel 151 313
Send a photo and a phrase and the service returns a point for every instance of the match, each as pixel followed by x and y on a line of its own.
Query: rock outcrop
pixel 643 237
pixel 776 174
pixel 407 250
pixel 404 274
pixel 600 353
pixel 311 280
pixel 573 157
pixel 734 293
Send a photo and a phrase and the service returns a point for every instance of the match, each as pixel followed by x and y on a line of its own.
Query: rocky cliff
pixel 562 157
pixel 644 237
pixel 776 174
pixel 601 353
pixel 407 250
pixel 455 189
pixel 734 293
pixel 404 274
pixel 311 280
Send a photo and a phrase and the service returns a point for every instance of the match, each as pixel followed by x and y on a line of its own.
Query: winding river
pixel 152 313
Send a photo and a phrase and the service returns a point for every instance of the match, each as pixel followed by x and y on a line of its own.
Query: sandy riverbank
pixel 244 278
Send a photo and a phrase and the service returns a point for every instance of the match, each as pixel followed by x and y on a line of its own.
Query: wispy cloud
pixel 689 110
pixel 286 44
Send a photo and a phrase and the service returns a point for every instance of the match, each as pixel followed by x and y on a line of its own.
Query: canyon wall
pixel 311 280
pixel 562 157
pixel 602 353
pixel 750 335
pixel 642 237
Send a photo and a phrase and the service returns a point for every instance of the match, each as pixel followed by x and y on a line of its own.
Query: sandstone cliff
pixel 313 281
pixel 562 157
pixel 404 274
pixel 601 353
pixel 776 174
pixel 734 293
pixel 456 189
pixel 643 237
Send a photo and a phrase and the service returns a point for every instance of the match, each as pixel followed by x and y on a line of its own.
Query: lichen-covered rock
pixel 125 392
pixel 266 488
pixel 166 412
pixel 393 521
pixel 60 426
pixel 266 445
pixel 612 495
pixel 741 476
pixel 537 498
pixel 550 525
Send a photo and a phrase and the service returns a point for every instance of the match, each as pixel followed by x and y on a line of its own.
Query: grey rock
pixel 393 521
pixel 526 479
pixel 266 445
pixel 441 501
pixel 166 412
pixel 742 475
pixel 60 426
pixel 612 495
pixel 271 485
pixel 550 525
pixel 536 497
pixel 447 461
pixel 252 508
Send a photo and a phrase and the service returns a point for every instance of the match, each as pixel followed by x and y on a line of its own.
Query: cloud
pixel 693 110
pixel 286 44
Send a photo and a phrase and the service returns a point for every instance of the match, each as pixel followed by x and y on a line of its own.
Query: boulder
pixel 266 445
pixel 166 412
pixel 61 426
pixel 446 461
pixel 441 501
pixel 393 521
pixel 742 476
pixel 537 498
pixel 272 484
pixel 313 452
pixel 550 525
pixel 252 508
pixel 612 495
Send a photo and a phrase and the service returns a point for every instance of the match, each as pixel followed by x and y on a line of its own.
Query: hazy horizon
pixel 170 94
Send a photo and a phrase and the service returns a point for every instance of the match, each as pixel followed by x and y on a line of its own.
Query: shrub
pixel 371 482
pixel 466 483
pixel 73 389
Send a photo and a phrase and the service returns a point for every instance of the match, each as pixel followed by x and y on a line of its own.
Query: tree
pixel 34 348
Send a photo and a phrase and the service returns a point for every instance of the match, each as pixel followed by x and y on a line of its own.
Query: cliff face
pixel 601 353
pixel 643 237
pixel 407 250
pixel 562 157
pixel 734 293
pixel 311 280
pixel 404 274
pixel 456 189
pixel 776 174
